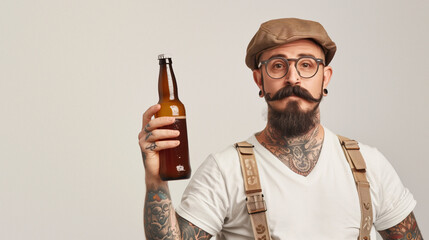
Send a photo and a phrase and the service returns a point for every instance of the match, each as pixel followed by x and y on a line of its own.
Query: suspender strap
pixel 256 206
pixel 358 167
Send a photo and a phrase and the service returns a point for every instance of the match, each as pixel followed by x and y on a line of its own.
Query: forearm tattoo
pixel 407 229
pixel 161 222
pixel 299 154
pixel 159 217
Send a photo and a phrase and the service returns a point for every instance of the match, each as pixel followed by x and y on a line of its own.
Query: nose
pixel 292 76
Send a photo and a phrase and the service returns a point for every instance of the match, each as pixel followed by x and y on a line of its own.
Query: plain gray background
pixel 76 77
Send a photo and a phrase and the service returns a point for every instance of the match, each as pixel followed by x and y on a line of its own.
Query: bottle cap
pixel 164 56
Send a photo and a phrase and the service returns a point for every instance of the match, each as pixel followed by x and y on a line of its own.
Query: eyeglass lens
pixel 278 67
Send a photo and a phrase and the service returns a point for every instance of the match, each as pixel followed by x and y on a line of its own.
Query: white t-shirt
pixel 323 205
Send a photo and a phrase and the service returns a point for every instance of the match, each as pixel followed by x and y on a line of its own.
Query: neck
pixel 299 153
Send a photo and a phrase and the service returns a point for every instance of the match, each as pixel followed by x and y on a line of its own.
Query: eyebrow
pixel 299 55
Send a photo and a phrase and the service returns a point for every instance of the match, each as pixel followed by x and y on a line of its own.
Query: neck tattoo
pixel 300 154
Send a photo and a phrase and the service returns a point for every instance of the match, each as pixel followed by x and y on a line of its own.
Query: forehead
pixel 294 49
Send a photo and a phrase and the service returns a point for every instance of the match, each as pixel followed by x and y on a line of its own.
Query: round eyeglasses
pixel 278 67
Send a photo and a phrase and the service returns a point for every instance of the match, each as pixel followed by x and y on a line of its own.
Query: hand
pixel 152 139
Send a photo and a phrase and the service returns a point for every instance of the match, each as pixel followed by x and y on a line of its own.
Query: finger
pixel 149 114
pixel 160 145
pixel 160 134
pixel 158 123
pixel 155 124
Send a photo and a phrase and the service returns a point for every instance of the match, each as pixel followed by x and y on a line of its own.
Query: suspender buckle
pixel 350 145
pixel 243 145
pixel 256 203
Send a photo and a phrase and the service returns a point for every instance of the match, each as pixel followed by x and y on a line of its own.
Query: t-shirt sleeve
pixel 393 201
pixel 204 202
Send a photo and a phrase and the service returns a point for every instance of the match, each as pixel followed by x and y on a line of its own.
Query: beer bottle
pixel 174 162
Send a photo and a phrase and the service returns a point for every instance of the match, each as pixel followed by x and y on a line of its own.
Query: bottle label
pixel 180 168
pixel 174 110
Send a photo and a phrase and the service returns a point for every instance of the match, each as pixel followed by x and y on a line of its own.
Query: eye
pixel 277 65
pixel 306 64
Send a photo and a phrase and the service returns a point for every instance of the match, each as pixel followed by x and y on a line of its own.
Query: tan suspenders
pixel 358 166
pixel 256 206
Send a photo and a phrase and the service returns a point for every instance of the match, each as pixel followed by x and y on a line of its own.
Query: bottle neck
pixel 167 86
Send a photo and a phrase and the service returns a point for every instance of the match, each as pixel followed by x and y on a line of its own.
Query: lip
pixel 286 100
pixel 292 97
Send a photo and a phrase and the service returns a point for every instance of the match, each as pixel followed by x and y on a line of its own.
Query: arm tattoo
pixel 158 216
pixel 299 154
pixel 160 219
pixel 407 229
pixel 190 231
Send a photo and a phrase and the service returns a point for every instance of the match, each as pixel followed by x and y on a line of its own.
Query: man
pixel 305 177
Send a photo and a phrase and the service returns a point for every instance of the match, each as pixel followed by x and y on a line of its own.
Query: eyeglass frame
pixel 296 60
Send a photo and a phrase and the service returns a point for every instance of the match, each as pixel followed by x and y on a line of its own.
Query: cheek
pixel 313 89
pixel 273 86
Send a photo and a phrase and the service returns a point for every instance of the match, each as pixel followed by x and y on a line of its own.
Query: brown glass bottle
pixel 174 162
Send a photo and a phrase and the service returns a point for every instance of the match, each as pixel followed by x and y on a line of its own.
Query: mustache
pixel 296 90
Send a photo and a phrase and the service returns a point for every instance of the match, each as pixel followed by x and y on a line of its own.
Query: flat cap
pixel 277 32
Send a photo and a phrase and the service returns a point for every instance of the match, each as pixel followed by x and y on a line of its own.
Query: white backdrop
pixel 77 75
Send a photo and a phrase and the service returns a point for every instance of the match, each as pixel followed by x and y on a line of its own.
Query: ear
pixel 327 74
pixel 257 78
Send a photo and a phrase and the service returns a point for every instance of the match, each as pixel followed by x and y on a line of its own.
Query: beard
pixel 293 121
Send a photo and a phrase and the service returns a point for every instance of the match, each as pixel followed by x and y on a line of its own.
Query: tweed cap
pixel 277 32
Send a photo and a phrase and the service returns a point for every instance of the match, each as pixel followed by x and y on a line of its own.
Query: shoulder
pixel 224 164
pixel 228 154
pixel 372 156
pixel 378 168
pixel 376 163
pixel 374 159
pixel 228 158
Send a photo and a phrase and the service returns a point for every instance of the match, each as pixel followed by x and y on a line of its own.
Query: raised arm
pixel 160 218
pixel 407 229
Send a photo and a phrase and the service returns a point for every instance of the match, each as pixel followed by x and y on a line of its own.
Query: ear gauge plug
pixel 325 91
pixel 260 94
